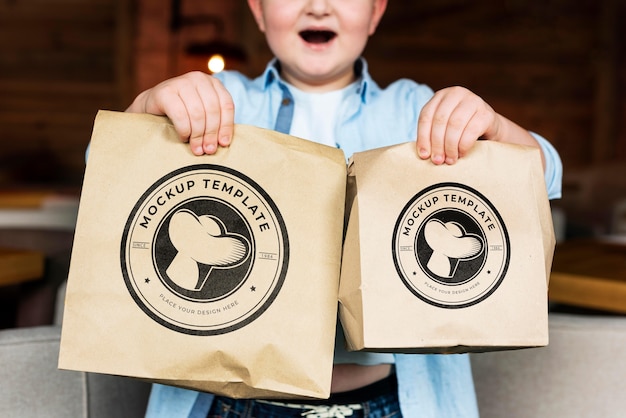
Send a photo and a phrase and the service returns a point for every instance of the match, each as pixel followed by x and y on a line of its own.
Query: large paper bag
pixel 217 273
pixel 445 259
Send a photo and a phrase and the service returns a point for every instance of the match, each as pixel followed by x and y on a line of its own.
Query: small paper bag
pixel 446 259
pixel 217 273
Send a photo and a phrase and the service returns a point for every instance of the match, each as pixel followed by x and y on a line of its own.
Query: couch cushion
pixel 579 374
pixel 32 386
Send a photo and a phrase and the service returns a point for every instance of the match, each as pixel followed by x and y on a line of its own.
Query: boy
pixel 318 70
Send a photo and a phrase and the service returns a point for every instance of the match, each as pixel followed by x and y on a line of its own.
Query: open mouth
pixel 317 36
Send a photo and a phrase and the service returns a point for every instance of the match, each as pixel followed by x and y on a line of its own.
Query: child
pixel 318 88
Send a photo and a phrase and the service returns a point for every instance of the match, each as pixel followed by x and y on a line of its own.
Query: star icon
pixel 147 280
pixel 253 288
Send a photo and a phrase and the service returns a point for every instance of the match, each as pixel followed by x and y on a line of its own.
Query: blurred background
pixel 557 67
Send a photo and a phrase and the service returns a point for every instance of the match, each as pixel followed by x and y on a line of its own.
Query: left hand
pixel 451 122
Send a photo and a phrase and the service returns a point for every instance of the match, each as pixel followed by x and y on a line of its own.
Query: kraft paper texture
pixel 217 273
pixel 446 259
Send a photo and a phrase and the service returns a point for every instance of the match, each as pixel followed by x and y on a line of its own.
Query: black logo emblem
pixel 450 246
pixel 204 251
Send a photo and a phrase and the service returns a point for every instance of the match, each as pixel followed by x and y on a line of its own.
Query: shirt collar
pixel 366 88
pixel 271 73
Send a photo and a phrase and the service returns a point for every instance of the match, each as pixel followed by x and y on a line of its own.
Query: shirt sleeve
pixel 171 402
pixel 553 172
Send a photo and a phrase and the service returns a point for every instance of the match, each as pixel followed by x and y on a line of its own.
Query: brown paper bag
pixel 446 258
pixel 217 273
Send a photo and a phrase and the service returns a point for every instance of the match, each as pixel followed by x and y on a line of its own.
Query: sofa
pixel 580 374
pixel 32 386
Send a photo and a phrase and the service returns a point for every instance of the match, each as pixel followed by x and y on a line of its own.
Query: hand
pixel 451 122
pixel 198 105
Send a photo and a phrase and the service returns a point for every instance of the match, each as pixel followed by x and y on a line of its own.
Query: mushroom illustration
pixel 450 244
pixel 202 239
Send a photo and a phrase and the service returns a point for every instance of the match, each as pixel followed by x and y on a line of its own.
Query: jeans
pixel 384 406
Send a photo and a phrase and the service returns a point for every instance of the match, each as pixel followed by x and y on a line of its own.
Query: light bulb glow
pixel 216 63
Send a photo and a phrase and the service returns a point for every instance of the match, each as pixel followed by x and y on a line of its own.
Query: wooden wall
pixel 60 61
pixel 556 66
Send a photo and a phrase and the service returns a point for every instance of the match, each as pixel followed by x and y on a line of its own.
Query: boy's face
pixel 317 41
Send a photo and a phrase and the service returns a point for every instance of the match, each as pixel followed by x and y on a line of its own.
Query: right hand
pixel 198 105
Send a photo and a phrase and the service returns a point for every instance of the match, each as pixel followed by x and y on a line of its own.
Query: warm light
pixel 216 63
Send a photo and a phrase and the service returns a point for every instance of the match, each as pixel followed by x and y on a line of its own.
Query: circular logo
pixel 450 246
pixel 204 251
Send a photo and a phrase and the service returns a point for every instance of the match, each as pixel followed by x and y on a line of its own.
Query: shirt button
pixel 286 101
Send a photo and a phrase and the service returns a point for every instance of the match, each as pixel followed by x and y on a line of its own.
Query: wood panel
pixel 590 274
pixel 60 61
pixel 17 266
pixel 550 65
pixel 555 66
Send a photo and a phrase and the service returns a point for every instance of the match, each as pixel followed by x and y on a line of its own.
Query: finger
pixel 227 113
pixel 196 130
pixel 458 124
pixel 423 134
pixel 424 127
pixel 468 139
pixel 204 113
pixel 440 125
pixel 470 135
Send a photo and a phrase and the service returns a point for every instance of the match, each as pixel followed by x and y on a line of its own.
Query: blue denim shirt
pixel 437 386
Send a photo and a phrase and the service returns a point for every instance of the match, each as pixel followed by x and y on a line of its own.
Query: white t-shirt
pixel 315 114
